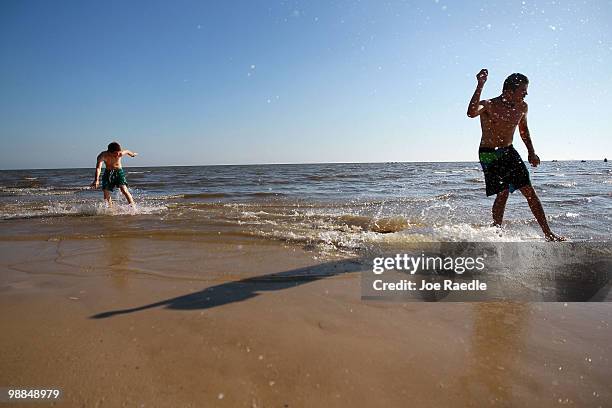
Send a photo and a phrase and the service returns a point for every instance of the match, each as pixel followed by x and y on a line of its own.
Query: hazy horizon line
pixel 285 164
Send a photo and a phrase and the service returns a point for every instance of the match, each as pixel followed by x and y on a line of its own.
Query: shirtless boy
pixel 113 173
pixel 503 167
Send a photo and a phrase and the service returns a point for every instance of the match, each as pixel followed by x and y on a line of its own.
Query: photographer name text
pixel 447 284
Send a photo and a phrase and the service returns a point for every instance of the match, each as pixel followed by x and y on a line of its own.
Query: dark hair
pixel 114 147
pixel 514 81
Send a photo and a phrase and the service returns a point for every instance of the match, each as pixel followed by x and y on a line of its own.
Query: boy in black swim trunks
pixel 113 173
pixel 503 167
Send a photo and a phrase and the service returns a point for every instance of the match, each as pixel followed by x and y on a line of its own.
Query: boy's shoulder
pixel 486 105
pixel 494 101
pixel 488 102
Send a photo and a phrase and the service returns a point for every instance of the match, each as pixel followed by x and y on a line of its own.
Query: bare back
pixel 498 121
pixel 112 160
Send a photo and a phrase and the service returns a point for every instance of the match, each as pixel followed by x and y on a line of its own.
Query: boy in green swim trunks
pixel 113 173
pixel 503 167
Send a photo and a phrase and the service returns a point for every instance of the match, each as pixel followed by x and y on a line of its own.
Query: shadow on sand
pixel 238 291
pixel 524 273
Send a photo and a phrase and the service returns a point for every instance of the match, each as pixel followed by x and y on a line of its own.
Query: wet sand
pixel 234 321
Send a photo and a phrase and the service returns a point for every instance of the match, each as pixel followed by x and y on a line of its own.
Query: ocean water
pixel 334 208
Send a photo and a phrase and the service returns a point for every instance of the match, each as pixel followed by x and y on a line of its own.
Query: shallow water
pixel 334 207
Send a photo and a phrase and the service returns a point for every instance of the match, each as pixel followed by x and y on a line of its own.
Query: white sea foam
pixel 471 233
pixel 26 190
pixel 564 215
pixel 83 209
pixel 560 184
pixel 41 191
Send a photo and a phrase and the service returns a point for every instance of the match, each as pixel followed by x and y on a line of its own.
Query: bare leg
pixel 126 193
pixel 107 198
pixel 499 206
pixel 536 208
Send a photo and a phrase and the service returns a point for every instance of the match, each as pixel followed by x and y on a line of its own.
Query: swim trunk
pixel 113 178
pixel 503 169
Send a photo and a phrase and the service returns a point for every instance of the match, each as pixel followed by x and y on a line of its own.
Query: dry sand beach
pixel 133 322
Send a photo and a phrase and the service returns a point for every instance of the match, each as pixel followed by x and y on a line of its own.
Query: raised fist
pixel 482 76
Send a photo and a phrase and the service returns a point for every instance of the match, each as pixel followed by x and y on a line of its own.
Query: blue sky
pixel 196 82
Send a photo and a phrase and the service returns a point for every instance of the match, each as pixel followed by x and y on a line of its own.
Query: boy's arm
pixel 129 153
pixel 99 161
pixel 475 107
pixel 524 131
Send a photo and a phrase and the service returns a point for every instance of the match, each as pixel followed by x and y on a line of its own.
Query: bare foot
pixel 499 230
pixel 555 238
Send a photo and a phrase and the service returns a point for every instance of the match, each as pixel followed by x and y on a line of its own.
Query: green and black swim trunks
pixel 503 169
pixel 113 178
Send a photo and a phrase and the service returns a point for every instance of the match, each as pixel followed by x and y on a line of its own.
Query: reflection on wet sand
pixel 117 251
pixel 493 377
